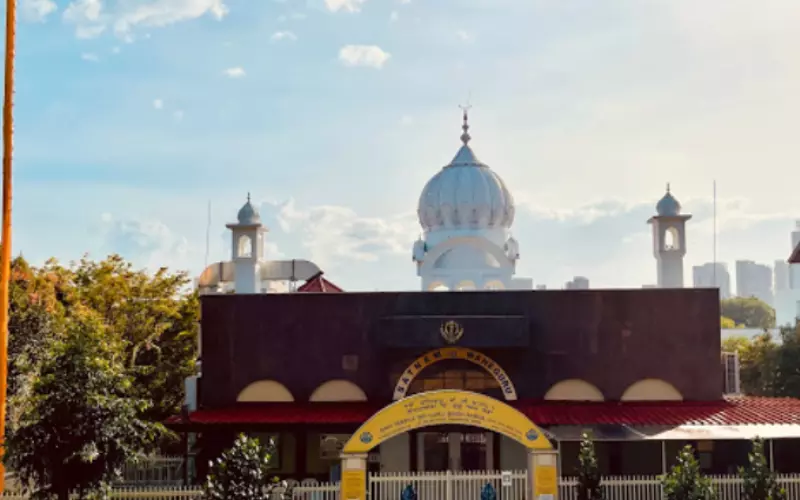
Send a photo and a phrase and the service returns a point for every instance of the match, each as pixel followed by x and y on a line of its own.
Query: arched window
pixel 672 240
pixel 438 287
pixel 494 285
pixel 651 389
pixel 454 374
pixel 265 391
pixel 244 246
pixel 338 390
pixel 465 285
pixel 574 390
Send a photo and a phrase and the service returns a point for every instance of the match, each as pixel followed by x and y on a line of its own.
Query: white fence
pixel 154 471
pixel 468 486
pixel 458 486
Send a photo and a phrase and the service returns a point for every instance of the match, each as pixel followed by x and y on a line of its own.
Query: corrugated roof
pixel 730 411
pixel 318 284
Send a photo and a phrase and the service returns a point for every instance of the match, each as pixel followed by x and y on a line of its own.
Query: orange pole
pixel 5 242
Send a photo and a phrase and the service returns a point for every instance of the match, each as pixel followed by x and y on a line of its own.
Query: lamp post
pixel 5 234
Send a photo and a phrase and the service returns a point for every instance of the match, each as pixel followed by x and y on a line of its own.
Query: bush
pixel 758 480
pixel 241 473
pixel 588 487
pixel 685 481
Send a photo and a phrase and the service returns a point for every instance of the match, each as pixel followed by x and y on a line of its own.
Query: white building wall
pixel 395 454
pixel 513 456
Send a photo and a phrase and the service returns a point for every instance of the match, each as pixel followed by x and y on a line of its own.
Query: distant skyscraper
pixel 754 280
pixel 781 276
pixel 705 277
pixel 577 283
pixel 794 269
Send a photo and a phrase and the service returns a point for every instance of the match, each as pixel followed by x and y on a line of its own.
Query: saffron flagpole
pixel 5 242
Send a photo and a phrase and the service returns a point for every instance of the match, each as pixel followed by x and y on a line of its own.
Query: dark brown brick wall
pixel 611 338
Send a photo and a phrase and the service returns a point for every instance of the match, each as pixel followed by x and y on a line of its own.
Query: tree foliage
pixel 241 473
pixel 685 481
pixel 151 314
pixel 749 312
pixel 727 323
pixel 588 486
pixel 767 367
pixel 758 481
pixel 82 423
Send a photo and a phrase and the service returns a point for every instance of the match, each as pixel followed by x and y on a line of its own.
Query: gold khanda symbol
pixel 451 331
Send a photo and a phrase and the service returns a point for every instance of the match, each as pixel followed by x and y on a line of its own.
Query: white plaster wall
pixel 513 456
pixel 246 276
pixel 395 454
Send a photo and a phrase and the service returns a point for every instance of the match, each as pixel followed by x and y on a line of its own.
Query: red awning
pixel 731 411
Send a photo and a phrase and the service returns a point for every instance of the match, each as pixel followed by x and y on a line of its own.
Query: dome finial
pixel 668 187
pixel 248 196
pixel 465 137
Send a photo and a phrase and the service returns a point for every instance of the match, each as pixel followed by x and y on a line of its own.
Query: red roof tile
pixel 318 284
pixel 731 411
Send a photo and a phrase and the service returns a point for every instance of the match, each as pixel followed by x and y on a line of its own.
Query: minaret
pixel 669 241
pixel 247 248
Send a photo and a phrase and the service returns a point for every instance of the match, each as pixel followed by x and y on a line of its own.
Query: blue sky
pixel 133 114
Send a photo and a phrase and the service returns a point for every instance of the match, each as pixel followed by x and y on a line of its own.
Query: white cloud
pixel 147 243
pixel 335 235
pixel 394 16
pixel 363 55
pixel 115 50
pixel 36 10
pixel 463 36
pixel 88 56
pixel 177 115
pixel 283 35
pixel 91 18
pixel 345 5
pixel 158 103
pixel 236 72
pixel 406 120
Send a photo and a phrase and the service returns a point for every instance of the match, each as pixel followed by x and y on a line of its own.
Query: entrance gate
pixel 450 407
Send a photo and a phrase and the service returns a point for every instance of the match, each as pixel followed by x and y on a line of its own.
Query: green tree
pixel 241 473
pixel 685 481
pixel 758 481
pixel 759 360
pixel 749 312
pixel 588 486
pixel 727 323
pixel 81 425
pixel 154 314
pixel 787 364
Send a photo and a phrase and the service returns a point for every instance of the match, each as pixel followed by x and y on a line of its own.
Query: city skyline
pixel 334 113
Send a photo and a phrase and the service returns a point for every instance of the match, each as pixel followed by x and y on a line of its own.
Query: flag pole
pixel 5 234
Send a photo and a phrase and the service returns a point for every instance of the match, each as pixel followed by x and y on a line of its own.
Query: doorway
pixel 455 451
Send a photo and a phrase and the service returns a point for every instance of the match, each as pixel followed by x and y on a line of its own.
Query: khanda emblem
pixel 451 331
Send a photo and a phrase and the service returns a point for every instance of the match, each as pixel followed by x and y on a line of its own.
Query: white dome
pixel 466 194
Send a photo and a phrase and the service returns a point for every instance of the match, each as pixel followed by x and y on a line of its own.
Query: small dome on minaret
pixel 668 206
pixel 248 214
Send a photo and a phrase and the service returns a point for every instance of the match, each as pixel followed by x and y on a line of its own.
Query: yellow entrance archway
pixel 450 407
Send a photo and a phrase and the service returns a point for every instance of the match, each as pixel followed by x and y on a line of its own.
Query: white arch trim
pixel 651 389
pixel 265 391
pixel 427 267
pixel 338 390
pixel 574 390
